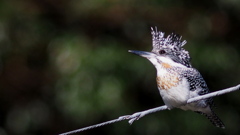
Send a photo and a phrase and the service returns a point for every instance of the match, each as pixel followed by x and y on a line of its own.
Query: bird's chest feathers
pixel 173 89
pixel 166 77
pixel 167 81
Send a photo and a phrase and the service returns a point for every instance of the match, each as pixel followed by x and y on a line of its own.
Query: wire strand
pixel 94 126
pixel 138 115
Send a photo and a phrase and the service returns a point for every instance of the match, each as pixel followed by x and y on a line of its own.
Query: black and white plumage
pixel 176 79
pixel 173 44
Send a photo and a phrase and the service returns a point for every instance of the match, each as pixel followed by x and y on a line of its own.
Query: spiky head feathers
pixel 171 46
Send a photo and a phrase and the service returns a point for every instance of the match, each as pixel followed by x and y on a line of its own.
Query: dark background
pixel 64 64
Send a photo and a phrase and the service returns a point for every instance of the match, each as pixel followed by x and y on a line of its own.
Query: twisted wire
pixel 138 115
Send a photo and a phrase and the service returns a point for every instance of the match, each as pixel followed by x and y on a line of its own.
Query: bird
pixel 177 80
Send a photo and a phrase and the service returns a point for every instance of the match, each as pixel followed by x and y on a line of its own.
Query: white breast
pixel 177 95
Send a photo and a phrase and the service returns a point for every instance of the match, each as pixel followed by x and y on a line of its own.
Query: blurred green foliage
pixel 64 64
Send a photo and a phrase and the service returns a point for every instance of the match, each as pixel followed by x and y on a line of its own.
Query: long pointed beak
pixel 142 53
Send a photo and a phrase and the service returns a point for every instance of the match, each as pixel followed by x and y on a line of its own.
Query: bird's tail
pixel 215 120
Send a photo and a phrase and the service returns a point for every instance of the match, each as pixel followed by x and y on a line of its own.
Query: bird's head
pixel 166 49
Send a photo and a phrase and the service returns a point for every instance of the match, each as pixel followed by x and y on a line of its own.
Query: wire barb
pixel 138 115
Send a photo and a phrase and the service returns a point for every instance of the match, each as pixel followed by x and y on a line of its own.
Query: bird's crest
pixel 172 42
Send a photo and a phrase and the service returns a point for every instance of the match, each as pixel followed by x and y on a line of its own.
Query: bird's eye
pixel 162 52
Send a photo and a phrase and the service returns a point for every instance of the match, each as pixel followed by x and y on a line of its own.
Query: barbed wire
pixel 138 115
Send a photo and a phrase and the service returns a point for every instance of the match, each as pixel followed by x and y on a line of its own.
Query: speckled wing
pixel 196 82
